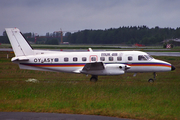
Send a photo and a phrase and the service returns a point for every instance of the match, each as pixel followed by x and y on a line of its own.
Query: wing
pixel 93 66
pixel 99 68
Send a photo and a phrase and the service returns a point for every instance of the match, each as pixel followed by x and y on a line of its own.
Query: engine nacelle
pixel 116 69
pixel 118 66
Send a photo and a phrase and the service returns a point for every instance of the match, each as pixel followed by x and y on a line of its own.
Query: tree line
pixel 122 35
pixel 51 39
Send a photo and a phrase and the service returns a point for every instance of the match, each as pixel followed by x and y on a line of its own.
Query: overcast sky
pixel 41 16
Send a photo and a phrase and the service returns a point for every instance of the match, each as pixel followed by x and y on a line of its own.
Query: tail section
pixel 20 46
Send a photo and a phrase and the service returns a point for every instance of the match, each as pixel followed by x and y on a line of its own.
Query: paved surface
pixel 51 116
pixel 83 50
pixel 164 53
pixel 5 49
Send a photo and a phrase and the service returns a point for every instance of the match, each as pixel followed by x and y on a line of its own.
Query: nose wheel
pixel 152 80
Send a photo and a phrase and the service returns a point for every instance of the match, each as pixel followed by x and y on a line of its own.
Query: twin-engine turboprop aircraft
pixel 89 63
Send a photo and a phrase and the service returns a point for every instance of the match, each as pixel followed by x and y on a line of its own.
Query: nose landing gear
pixel 152 80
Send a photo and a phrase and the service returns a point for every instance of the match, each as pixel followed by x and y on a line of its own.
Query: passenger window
pixel 119 58
pixel 84 59
pixel 93 58
pixel 102 58
pixel 56 60
pixel 130 58
pixel 110 58
pixel 75 59
pixel 66 59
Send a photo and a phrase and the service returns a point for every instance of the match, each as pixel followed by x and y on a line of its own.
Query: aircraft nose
pixel 172 68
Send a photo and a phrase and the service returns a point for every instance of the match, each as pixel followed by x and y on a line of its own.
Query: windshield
pixel 144 57
pixel 148 57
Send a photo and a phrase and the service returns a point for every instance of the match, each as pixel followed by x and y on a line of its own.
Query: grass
pixel 122 96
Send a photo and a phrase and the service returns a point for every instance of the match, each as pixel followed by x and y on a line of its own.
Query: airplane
pixel 92 63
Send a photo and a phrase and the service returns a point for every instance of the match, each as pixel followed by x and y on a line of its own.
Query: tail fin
pixel 20 46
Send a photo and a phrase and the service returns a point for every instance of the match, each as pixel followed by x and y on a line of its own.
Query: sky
pixel 42 16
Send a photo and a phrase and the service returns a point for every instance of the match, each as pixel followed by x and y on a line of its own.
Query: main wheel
pixel 93 79
pixel 150 80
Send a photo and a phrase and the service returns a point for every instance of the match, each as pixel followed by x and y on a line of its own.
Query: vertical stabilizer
pixel 20 46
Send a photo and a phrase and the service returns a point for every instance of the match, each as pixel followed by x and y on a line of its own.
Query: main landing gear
pixel 94 78
pixel 152 80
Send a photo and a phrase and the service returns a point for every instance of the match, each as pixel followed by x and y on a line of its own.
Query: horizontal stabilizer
pixel 22 58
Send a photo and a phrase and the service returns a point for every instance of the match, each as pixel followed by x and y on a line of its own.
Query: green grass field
pixel 122 96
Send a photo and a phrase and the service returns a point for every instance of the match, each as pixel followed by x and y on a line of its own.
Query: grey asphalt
pixel 81 50
pixel 164 53
pixel 51 116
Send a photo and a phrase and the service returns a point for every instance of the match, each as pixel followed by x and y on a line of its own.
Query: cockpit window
pixel 149 57
pixel 144 57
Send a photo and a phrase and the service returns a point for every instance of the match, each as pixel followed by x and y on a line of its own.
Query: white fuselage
pixel 93 63
pixel 74 62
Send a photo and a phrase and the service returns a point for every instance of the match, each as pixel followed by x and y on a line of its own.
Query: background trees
pixel 122 35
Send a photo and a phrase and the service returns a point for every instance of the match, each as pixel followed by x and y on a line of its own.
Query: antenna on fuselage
pixel 90 50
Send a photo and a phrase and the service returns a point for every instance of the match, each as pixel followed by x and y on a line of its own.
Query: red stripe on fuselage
pixel 54 65
pixel 151 65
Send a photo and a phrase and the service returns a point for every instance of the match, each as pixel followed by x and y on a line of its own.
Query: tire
pixel 93 79
pixel 150 80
